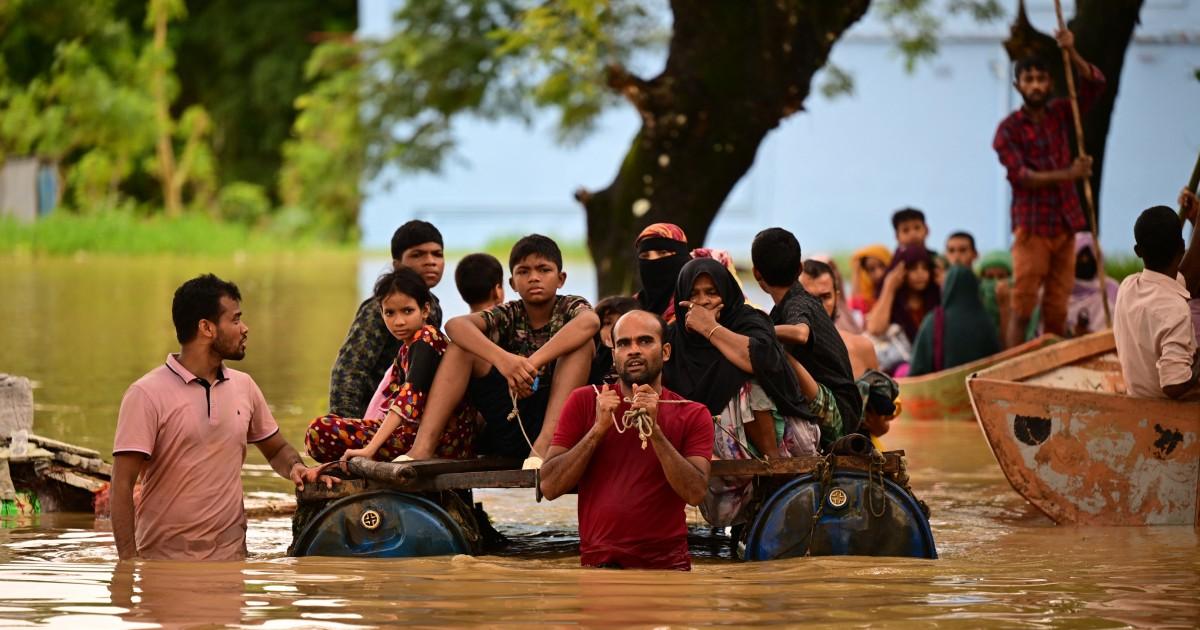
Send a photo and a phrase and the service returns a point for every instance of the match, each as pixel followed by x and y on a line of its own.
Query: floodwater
pixel 83 329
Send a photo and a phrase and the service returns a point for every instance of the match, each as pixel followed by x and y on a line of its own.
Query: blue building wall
pixel 834 173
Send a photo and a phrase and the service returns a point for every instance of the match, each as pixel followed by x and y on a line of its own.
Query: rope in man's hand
pixel 636 418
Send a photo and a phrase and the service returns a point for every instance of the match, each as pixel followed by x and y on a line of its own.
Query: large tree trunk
pixel 1103 30
pixel 734 71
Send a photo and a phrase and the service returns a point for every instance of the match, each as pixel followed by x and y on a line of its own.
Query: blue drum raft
pixel 853 502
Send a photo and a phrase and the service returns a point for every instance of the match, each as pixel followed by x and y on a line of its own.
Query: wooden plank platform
pixel 438 475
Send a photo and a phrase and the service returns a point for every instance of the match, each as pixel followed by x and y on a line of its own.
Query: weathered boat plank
pixel 1080 452
pixel 943 395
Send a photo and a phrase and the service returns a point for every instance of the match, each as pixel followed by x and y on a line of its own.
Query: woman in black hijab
pixel 725 356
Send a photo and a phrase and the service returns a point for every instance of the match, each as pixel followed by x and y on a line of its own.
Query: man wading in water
pixel 184 426
pixel 637 455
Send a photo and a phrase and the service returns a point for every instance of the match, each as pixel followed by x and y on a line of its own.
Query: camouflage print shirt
pixel 365 357
pixel 507 325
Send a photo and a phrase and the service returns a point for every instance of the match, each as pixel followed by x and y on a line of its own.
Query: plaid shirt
pixel 1025 145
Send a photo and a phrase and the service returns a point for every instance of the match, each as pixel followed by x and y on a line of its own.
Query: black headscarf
pixel 658 276
pixel 697 369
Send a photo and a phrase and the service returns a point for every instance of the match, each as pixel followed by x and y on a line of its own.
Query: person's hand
pixel 301 474
pixel 1081 167
pixel 351 453
pixel 523 391
pixel 895 278
pixel 1189 206
pixel 699 319
pixel 607 402
pixel 1065 38
pixel 644 397
pixel 518 371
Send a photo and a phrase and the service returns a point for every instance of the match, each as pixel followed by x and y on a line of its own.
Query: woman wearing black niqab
pixel 662 250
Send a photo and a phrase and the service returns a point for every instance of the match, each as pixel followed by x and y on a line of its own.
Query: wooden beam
pixel 407 477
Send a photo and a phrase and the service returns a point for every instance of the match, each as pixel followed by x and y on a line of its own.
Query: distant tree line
pixel 174 106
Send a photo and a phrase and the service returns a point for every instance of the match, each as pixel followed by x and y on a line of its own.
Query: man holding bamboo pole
pixel 1034 147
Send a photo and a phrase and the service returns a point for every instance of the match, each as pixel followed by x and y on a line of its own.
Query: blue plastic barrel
pixel 381 524
pixel 860 517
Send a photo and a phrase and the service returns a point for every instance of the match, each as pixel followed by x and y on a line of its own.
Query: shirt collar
pixel 793 291
pixel 186 375
pixel 1175 285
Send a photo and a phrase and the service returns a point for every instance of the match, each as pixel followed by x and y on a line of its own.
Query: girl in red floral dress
pixel 391 420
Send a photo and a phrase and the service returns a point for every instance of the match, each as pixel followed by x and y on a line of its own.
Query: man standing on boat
pixel 184 427
pixel 1034 148
pixel 637 454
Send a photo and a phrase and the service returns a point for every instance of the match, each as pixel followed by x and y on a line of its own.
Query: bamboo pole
pixel 1193 185
pixel 1068 69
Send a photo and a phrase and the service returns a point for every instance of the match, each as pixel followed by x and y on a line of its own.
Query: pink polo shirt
pixel 1152 324
pixel 194 437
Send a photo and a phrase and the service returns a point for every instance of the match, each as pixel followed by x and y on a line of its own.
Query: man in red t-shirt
pixel 632 491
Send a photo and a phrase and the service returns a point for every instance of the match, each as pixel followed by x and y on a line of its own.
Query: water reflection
pixel 1003 564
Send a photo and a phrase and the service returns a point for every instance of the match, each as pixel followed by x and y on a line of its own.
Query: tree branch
pixel 635 89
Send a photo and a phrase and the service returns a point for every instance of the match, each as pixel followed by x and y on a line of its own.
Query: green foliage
pixel 323 165
pixel 491 58
pixel 915 24
pixel 84 85
pixel 244 63
pixel 243 202
pixel 123 232
pixel 836 81
pixel 1120 266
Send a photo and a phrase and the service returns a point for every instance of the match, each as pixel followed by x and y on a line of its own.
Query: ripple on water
pixel 1002 564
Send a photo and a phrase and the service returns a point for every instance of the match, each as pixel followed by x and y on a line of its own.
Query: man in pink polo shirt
pixel 184 427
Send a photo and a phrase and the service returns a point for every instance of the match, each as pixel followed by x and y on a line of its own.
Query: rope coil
pixel 637 418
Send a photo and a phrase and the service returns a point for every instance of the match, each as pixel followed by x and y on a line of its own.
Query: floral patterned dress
pixel 331 435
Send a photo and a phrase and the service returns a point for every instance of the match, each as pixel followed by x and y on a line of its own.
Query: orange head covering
pixel 861 284
pixel 662 230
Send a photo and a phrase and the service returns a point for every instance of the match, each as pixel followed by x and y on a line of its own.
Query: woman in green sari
pixel 957 332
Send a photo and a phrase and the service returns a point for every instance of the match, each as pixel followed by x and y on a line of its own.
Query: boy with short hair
pixel 540 344
pixel 910 227
pixel 369 349
pixel 478 278
pixel 1152 323
pixel 805 329
pixel 960 249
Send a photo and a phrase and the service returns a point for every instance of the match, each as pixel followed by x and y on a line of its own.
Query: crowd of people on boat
pixel 629 401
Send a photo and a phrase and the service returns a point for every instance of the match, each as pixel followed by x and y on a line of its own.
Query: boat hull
pixel 943 395
pixel 1094 457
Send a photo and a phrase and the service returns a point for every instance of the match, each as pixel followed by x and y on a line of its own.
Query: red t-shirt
pixel 628 513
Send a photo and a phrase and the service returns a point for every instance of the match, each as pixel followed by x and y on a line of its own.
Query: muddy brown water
pixel 85 328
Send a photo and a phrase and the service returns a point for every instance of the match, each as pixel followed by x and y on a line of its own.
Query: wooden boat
pixel 943 395
pixel 1075 446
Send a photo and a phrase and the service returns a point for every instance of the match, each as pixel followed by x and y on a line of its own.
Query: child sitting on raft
pixel 390 423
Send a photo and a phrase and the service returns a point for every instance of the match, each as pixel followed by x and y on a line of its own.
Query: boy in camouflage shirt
pixel 538 349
